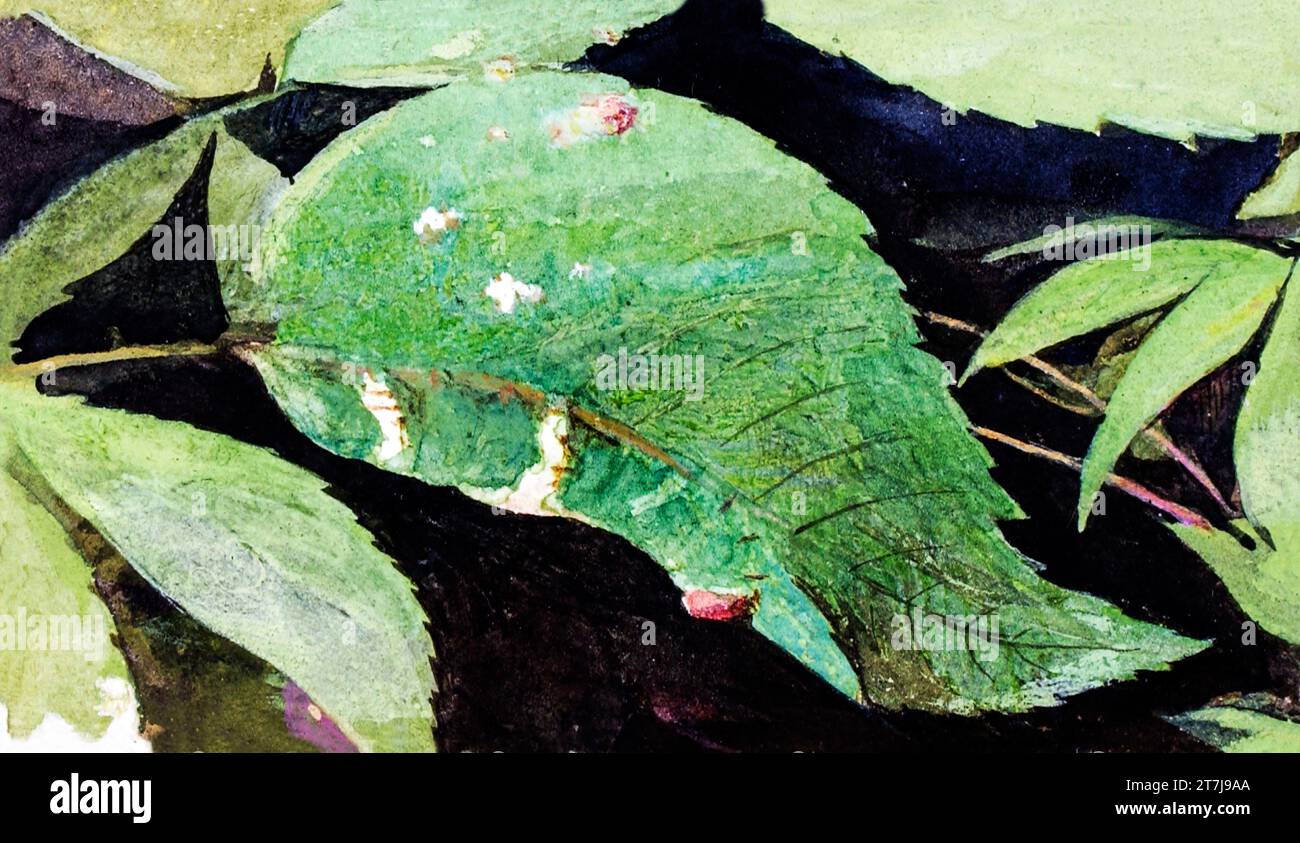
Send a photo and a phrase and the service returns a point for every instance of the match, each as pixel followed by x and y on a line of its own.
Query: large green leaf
pixel 818 475
pixel 196 48
pixel 1095 293
pixel 55 654
pixel 1211 324
pixel 250 546
pixel 408 42
pixel 1168 67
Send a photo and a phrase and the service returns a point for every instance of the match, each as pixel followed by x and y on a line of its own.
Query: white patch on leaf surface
pixel 536 490
pixel 596 116
pixel 54 734
pixel 506 292
pixel 379 400
pixel 433 224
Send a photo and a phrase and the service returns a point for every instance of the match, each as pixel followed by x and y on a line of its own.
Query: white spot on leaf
pixel 433 224
pixel 506 292
pixel 379 400
pixel 536 488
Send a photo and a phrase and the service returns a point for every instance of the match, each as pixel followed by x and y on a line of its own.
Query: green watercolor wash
pixel 251 547
pixel 689 235
pixel 409 42
pixel 43 578
pixel 102 215
pixel 193 48
pixel 1235 729
pixel 1213 322
pixel 1175 68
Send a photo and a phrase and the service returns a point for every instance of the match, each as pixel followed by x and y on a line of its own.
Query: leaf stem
pixel 1097 406
pixel 1131 487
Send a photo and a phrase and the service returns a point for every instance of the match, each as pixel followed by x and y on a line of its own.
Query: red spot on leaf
pixel 716 606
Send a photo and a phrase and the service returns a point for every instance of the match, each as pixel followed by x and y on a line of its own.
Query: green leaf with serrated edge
pixel 428 46
pixel 253 548
pixel 56 657
pixel 1234 729
pixel 93 223
pixel 1210 325
pixel 193 48
pixel 817 469
pixel 1164 65
pixel 1092 294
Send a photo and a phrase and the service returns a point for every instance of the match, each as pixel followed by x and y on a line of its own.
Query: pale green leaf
pixel 194 48
pixel 1278 197
pixel 46 590
pixel 1235 729
pixel 1176 68
pixel 409 42
pixel 1095 293
pixel 253 548
pixel 1210 325
pixel 101 216
pixel 1263 581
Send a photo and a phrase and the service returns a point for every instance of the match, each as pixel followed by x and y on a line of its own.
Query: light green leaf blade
pixel 1095 293
pixel 406 42
pixel 1279 196
pixel 822 472
pixel 1110 234
pixel 253 548
pixel 1162 67
pixel 1210 325
pixel 1268 430
pixel 193 48
pixel 91 225
pixel 1263 581
pixel 46 589
pixel 1235 729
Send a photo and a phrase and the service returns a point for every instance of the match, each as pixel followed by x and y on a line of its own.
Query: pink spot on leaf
pixel 719 606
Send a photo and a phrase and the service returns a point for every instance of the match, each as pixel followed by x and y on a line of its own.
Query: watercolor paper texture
pixel 632 375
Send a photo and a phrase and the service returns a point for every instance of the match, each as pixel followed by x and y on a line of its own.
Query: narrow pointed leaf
pixel 1092 294
pixel 1210 325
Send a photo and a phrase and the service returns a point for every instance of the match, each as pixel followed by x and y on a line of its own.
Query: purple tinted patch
pixel 306 721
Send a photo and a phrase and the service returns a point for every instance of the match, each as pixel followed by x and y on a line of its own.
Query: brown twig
pixel 1096 406
pixel 1131 487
